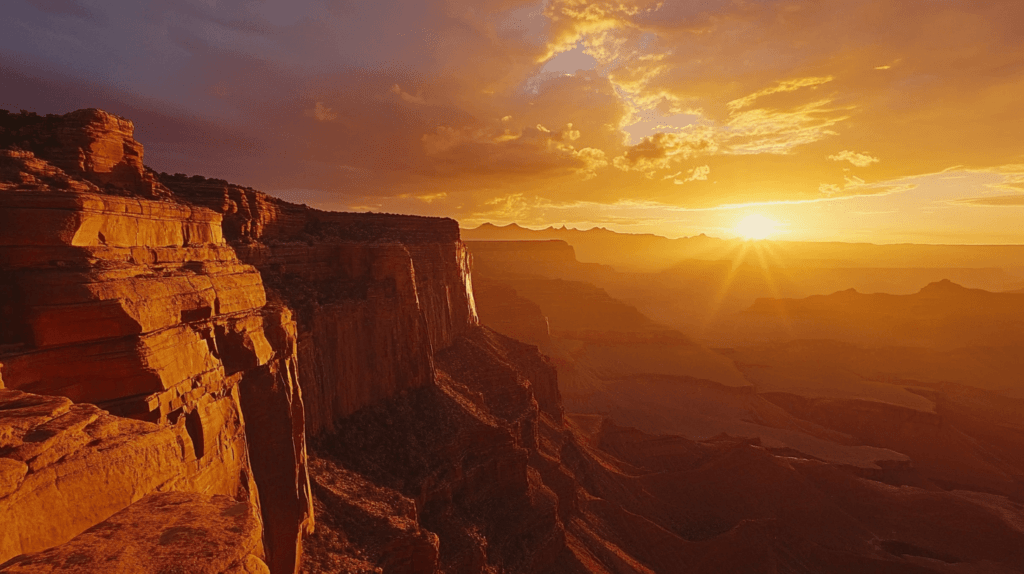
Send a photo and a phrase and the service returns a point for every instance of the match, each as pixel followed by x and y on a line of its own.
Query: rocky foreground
pixel 197 377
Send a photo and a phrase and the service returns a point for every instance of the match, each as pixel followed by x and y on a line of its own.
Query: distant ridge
pixel 649 252
pixel 941 314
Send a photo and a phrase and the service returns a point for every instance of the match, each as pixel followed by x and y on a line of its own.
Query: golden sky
pixel 854 120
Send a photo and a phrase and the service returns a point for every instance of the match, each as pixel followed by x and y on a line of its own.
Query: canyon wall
pixel 198 307
pixel 119 296
pixel 376 295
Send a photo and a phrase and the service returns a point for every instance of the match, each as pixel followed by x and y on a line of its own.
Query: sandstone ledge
pixel 169 533
pixel 65 467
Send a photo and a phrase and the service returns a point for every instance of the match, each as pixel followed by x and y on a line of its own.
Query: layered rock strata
pixel 149 301
pixel 140 306
pixel 64 467
pixel 89 144
pixel 375 295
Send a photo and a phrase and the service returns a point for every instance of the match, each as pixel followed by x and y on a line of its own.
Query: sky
pixel 841 120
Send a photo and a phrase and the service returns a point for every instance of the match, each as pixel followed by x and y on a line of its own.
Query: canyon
pixel 915 395
pixel 196 376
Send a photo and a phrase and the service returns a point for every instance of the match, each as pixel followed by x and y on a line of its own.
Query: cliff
pixel 376 295
pixel 502 309
pixel 198 306
pixel 118 296
pixel 169 343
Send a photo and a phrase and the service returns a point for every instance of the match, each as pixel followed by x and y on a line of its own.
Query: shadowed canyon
pixel 196 376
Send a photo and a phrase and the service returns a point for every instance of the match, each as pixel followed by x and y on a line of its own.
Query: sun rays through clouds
pixel 617 106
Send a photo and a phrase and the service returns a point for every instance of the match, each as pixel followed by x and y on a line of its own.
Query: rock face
pixel 151 301
pixel 64 467
pixel 375 295
pixel 90 144
pixel 502 309
pixel 140 306
pixel 470 454
pixel 164 532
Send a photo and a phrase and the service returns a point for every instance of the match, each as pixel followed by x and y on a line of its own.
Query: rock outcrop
pixel 139 306
pixel 164 532
pixel 89 144
pixel 376 295
pixel 151 301
pixel 65 467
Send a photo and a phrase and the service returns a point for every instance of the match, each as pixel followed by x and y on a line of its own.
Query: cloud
pixel 511 207
pixel 780 88
pixel 857 187
pixel 1013 179
pixel 593 159
pixel 664 150
pixel 830 189
pixel 323 113
pixel 1014 200
pixel 773 131
pixel 699 173
pixel 857 159
pixel 426 197
pixel 500 148
pixel 417 99
pixel 606 27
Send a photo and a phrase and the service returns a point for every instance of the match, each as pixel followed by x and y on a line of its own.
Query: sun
pixel 756 226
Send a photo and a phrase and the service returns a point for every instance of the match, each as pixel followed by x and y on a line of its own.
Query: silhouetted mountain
pixel 698 284
pixel 647 252
pixel 941 315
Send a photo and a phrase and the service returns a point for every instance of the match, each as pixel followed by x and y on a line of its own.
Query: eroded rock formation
pixel 376 295
pixel 139 306
pixel 64 467
pixel 164 532
pixel 150 301
pixel 167 344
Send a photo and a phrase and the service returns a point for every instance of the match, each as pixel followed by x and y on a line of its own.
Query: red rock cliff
pixel 139 306
pixel 151 301
pixel 376 295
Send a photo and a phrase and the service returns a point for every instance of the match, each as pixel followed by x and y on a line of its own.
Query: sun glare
pixel 756 226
